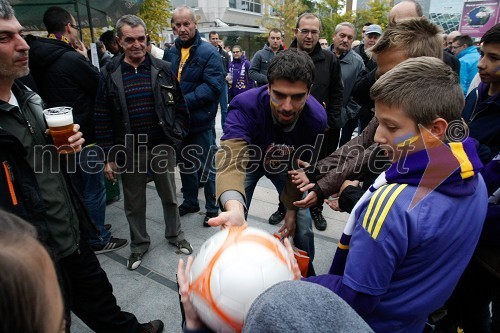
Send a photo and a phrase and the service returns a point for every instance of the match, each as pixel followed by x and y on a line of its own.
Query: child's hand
pixel 310 200
pixel 299 177
pixel 193 322
pixel 334 203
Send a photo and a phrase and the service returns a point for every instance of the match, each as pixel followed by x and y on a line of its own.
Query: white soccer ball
pixel 232 268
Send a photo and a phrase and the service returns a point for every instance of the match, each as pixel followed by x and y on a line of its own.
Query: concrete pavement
pixel 150 292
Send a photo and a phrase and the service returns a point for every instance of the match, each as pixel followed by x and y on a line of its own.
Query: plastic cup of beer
pixel 60 122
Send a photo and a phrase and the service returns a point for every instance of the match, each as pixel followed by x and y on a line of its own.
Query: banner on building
pixel 478 17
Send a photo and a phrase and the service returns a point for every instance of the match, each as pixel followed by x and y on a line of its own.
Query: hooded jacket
pixel 65 78
pixel 241 80
pixel 201 82
pixel 260 64
pixel 327 87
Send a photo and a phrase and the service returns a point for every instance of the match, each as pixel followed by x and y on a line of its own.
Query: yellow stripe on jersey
pixel 387 207
pixel 379 207
pixel 374 206
pixel 466 168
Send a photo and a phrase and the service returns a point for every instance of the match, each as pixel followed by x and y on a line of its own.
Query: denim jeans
pixel 223 105
pixel 304 235
pixel 198 153
pixel 88 179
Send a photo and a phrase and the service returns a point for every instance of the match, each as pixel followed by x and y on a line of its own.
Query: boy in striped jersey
pixel 413 232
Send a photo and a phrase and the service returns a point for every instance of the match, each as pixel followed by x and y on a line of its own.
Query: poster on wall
pixel 478 17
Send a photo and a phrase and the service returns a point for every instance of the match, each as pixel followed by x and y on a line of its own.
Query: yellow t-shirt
pixel 184 58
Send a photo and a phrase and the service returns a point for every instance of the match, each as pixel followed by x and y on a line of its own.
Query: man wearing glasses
pixel 468 55
pixel 327 89
pixel 65 77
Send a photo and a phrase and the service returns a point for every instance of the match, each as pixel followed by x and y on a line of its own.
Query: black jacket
pixel 33 185
pixel 327 88
pixel 113 119
pixel 65 78
pixel 19 192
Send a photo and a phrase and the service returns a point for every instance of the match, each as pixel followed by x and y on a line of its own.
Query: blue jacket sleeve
pixel 209 90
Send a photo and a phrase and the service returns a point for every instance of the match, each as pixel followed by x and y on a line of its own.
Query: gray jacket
pixel 260 64
pixel 352 65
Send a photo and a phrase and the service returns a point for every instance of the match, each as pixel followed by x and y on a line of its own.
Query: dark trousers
pixel 89 295
pixel 469 305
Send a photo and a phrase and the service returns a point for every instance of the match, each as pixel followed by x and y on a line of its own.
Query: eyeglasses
pixel 456 47
pixel 306 32
pixel 74 26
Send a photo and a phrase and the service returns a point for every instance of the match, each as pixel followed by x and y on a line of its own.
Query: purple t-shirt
pixel 249 118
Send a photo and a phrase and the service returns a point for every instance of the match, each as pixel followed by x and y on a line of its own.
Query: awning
pixel 88 13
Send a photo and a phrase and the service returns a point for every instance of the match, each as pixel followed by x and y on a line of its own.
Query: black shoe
pixel 107 226
pixel 134 261
pixel 208 216
pixel 276 217
pixel 155 326
pixel 318 219
pixel 112 245
pixel 183 210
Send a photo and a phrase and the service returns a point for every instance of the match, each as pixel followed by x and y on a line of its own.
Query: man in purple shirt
pixel 276 125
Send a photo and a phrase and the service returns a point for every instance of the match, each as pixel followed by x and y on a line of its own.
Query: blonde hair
pixel 417 37
pixel 425 88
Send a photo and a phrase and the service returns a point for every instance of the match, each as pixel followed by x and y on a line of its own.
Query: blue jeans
pixel 304 235
pixel 223 105
pixel 197 153
pixel 88 179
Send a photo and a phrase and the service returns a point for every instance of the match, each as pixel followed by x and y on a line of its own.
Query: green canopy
pixel 88 13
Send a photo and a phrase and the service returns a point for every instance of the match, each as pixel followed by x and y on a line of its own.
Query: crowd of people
pixel 419 252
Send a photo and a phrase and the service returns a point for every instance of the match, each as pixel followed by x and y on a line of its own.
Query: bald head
pixel 405 9
pixel 451 36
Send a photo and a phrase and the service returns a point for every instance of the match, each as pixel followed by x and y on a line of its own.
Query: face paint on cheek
pixel 497 71
pixel 274 102
pixel 406 140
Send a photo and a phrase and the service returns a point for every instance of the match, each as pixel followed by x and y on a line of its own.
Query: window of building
pixel 248 5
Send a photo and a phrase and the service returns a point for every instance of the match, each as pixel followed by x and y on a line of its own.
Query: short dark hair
pixel 108 37
pixel 274 30
pixel 492 35
pixel 56 19
pixel 292 65
pixel 464 39
pixel 308 15
pixel 211 33
pixel 6 11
